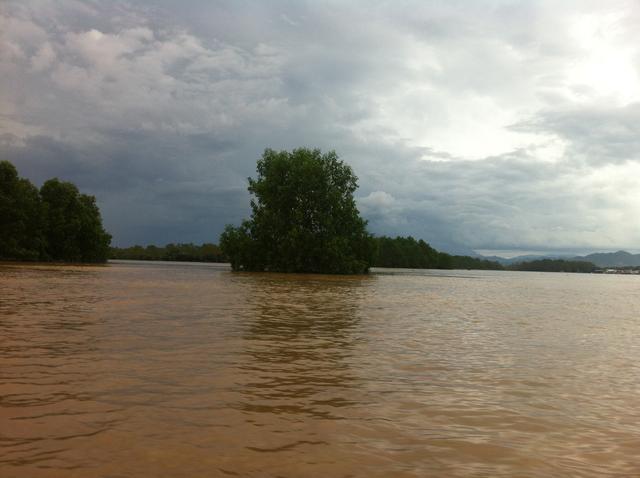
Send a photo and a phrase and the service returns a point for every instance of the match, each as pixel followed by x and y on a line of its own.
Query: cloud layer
pixel 491 125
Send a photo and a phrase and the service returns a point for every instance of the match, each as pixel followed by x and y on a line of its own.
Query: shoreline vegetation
pixel 188 252
pixel 396 253
pixel 55 223
pixel 304 219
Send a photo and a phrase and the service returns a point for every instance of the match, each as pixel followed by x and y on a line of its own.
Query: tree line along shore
pixel 398 252
pixel 53 223
pixel 304 219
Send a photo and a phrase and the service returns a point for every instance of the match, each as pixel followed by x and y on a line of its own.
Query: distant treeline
pixel 53 223
pixel 468 262
pixel 554 265
pixel 58 223
pixel 171 252
pixel 407 252
pixel 398 252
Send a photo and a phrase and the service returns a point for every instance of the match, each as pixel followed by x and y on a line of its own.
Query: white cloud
pixel 510 124
pixel 378 200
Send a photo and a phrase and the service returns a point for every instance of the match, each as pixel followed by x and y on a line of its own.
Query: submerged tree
pixel 304 217
pixel 20 216
pixel 73 226
pixel 56 223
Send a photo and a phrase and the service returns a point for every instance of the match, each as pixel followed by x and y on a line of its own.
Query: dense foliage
pixel 56 223
pixel 171 252
pixel 304 217
pixel 406 252
pixel 21 217
pixel 468 262
pixel 554 265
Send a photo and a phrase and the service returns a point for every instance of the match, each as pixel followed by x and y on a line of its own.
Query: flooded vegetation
pixel 189 370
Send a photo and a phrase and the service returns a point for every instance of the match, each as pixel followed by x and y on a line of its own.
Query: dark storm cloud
pixel 492 125
pixel 145 182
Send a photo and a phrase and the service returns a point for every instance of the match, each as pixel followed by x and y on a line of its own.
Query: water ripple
pixel 177 370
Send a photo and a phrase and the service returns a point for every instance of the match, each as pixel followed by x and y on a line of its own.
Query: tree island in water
pixel 304 219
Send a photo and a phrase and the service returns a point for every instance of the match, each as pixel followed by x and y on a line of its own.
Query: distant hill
pixel 526 258
pixel 600 259
pixel 554 265
pixel 454 248
pixel 612 259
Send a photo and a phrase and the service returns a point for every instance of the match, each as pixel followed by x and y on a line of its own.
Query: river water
pixel 189 370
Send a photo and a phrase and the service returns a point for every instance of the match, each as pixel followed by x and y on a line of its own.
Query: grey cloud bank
pixel 492 125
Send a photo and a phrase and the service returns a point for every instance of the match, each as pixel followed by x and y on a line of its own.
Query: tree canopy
pixel 406 252
pixel 403 252
pixel 20 216
pixel 206 252
pixel 55 223
pixel 304 217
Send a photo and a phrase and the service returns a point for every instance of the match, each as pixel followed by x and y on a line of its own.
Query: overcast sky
pixel 493 125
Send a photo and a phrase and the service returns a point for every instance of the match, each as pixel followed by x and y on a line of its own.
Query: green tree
pixel 304 217
pixel 206 252
pixel 20 216
pixel 73 226
pixel 466 262
pixel 406 252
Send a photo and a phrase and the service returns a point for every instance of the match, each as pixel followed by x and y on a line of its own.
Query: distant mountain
pixel 498 259
pixel 526 258
pixel 600 259
pixel 453 248
pixel 612 259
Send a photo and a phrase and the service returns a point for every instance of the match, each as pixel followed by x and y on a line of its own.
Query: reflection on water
pixel 150 369
pixel 284 374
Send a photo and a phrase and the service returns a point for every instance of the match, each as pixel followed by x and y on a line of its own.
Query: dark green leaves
pixel 20 216
pixel 304 217
pixel 56 223
pixel 171 252
pixel 406 252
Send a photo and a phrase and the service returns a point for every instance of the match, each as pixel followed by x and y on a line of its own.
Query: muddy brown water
pixel 188 370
